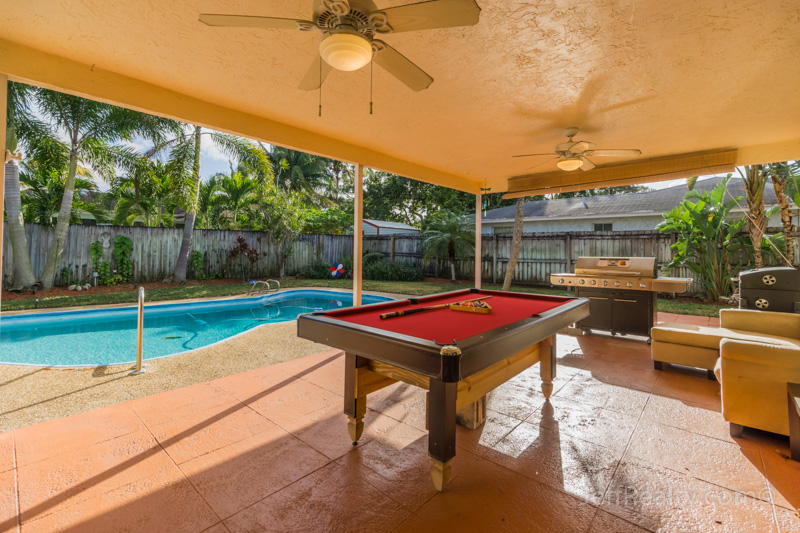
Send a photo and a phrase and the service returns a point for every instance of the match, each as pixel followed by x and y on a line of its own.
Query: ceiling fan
pixel 572 154
pixel 349 28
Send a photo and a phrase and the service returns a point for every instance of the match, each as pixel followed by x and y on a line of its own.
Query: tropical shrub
pixel 317 269
pixel 243 251
pixel 122 253
pixel 708 244
pixel 101 266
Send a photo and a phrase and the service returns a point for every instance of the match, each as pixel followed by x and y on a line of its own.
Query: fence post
pixel 494 258
pixel 568 251
pixel 391 248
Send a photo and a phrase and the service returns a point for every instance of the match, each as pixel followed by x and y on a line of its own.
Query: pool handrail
pixel 139 333
pixel 256 288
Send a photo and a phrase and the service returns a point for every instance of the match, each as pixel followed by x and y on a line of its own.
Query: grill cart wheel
pixel 761 303
pixel 769 279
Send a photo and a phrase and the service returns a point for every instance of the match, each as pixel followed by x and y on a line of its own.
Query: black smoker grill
pixel 770 289
pixel 621 291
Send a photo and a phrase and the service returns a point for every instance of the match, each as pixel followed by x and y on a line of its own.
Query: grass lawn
pixel 221 291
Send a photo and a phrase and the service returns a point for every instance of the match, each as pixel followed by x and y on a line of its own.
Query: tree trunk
pixel 778 183
pixel 62 225
pixel 179 274
pixel 452 270
pixel 22 273
pixel 754 181
pixel 512 260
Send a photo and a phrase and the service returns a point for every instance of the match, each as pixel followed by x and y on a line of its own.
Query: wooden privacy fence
pixel 155 251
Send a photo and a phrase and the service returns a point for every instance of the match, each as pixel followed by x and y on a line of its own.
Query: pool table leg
pixel 442 432
pixel 547 365
pixel 355 407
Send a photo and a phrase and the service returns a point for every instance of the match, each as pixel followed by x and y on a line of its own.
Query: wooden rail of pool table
pixel 377 375
pixel 371 375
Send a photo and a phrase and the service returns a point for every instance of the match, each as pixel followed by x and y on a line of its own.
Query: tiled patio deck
pixel 620 447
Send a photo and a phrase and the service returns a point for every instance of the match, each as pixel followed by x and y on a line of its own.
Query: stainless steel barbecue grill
pixel 621 291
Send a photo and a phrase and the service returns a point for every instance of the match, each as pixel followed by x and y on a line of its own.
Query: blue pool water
pixel 108 336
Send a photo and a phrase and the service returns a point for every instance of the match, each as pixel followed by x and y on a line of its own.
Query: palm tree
pixel 303 173
pixel 341 174
pixel 44 191
pixel 17 119
pixel 450 236
pixel 207 202
pixel 780 174
pixel 145 196
pixel 515 243
pixel 755 179
pixel 91 128
pixel 235 192
pixel 184 152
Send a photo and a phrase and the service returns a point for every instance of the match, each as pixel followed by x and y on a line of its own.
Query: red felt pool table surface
pixel 445 325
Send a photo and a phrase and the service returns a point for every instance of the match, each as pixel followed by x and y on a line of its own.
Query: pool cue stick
pixel 429 308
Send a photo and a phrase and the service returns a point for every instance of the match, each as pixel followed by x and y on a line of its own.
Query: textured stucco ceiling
pixel 666 77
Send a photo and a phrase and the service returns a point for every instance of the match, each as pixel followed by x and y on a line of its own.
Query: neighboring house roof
pixel 619 205
pixel 388 225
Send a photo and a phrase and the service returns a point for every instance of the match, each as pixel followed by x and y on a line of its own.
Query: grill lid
pixel 643 267
pixel 770 279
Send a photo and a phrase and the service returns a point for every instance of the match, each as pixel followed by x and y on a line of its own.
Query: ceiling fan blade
pixel 543 162
pixel 433 14
pixel 587 165
pixel 246 21
pixel 581 146
pixel 531 155
pixel 620 152
pixel 315 77
pixel 401 67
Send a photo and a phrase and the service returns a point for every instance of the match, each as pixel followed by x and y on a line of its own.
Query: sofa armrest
pixel 765 322
pixel 769 361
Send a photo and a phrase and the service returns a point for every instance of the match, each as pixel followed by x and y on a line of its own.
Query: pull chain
pixel 320 86
pixel 370 87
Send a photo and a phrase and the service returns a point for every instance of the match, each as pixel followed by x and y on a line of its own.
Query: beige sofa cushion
pixel 710 337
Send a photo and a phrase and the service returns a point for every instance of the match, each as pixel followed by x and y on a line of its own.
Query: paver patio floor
pixel 620 447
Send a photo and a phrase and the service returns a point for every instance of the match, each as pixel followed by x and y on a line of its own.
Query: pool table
pixel 457 356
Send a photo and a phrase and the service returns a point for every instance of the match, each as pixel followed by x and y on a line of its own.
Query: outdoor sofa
pixel 753 354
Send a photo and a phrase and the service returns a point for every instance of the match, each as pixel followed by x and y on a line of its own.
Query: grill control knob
pixel 581 281
pixel 561 280
pixel 593 282
pixel 616 283
pixel 629 284
pixel 605 282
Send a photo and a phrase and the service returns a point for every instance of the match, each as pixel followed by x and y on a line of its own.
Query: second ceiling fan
pixel 349 28
pixel 572 154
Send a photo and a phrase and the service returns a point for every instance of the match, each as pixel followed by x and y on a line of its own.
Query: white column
pixel 358 233
pixel 478 254
pixel 3 110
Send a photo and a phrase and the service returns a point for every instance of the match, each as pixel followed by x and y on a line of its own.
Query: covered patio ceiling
pixel 669 78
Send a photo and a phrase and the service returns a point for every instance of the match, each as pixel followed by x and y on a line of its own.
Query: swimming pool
pixel 98 337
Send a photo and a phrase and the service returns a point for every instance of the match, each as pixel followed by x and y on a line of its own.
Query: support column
pixel 358 232
pixel 3 117
pixel 478 251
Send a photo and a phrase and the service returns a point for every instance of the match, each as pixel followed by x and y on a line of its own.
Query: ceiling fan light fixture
pixel 570 163
pixel 346 51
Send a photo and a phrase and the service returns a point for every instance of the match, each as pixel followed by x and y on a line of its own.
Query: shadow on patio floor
pixel 620 447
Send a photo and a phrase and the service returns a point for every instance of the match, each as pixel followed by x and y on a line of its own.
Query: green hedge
pixel 374 268
pixel 390 271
